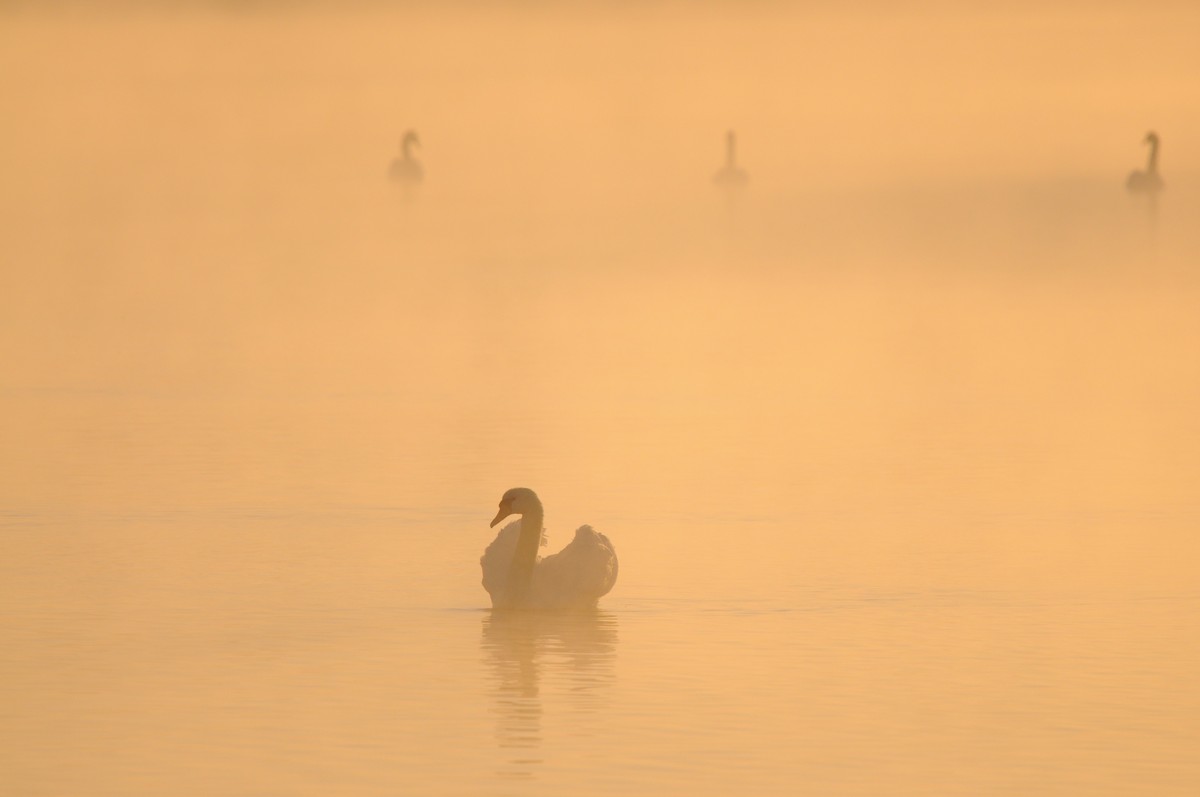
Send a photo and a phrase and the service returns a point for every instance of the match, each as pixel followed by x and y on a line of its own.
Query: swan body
pixel 513 574
pixel 1148 181
pixel 406 169
pixel 730 175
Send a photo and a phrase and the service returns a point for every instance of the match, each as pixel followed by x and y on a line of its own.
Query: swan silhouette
pixel 407 169
pixel 1149 181
pixel 575 577
pixel 731 175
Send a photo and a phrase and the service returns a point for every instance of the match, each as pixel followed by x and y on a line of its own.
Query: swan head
pixel 517 501
pixel 409 139
pixel 1151 139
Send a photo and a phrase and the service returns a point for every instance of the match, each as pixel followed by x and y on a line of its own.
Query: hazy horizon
pixel 897 444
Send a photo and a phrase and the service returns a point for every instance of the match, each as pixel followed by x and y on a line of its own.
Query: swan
pixel 1149 181
pixel 407 169
pixel 575 577
pixel 731 175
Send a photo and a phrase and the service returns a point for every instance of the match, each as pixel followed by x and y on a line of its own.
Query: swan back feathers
pixel 580 574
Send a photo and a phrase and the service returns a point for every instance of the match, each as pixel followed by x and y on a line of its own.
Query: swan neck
pixel 520 574
pixel 1152 162
pixel 531 520
pixel 729 147
pixel 406 149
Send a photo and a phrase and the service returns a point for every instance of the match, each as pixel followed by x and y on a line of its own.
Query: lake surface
pixel 898 447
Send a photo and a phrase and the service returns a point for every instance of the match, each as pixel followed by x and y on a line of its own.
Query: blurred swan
pixel 575 577
pixel 1149 181
pixel 731 175
pixel 407 169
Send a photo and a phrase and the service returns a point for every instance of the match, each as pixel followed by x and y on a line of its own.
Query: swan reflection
pixel 545 664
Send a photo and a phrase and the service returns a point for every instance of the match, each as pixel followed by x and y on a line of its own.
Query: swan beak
pixel 503 513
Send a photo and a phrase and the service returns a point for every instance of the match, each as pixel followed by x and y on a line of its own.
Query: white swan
pixel 575 577
pixel 731 175
pixel 407 169
pixel 1149 181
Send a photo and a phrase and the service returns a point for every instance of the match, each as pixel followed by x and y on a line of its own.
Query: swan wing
pixel 580 574
pixel 406 171
pixel 731 177
pixel 497 558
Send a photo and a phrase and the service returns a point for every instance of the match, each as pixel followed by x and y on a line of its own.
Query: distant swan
pixel 575 577
pixel 1149 181
pixel 407 169
pixel 731 175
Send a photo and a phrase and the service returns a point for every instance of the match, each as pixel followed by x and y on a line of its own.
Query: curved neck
pixel 729 143
pixel 520 572
pixel 1152 162
pixel 406 148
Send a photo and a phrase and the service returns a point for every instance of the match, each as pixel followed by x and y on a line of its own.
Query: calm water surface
pixel 899 449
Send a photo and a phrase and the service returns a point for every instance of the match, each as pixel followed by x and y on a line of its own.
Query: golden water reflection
pixel 543 665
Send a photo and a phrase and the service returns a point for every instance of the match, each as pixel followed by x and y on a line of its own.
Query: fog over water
pixel 897 442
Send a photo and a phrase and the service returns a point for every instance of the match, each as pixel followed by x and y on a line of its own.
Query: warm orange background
pixel 899 447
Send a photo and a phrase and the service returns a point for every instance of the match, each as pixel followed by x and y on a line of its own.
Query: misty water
pixel 898 445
